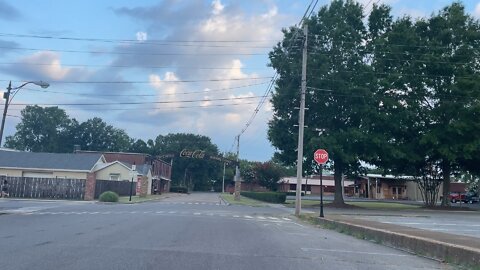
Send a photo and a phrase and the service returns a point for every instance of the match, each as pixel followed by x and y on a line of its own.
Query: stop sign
pixel 320 156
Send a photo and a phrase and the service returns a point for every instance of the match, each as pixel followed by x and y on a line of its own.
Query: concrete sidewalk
pixel 446 247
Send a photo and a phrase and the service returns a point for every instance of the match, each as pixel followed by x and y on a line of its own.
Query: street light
pixel 8 100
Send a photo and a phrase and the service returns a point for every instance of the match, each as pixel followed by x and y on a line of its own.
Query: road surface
pixel 192 231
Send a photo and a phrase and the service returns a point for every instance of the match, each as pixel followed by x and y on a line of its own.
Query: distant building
pixel 311 185
pixel 161 171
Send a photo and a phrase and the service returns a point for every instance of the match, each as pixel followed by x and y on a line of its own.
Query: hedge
pixel 179 189
pixel 294 193
pixel 273 197
pixel 108 196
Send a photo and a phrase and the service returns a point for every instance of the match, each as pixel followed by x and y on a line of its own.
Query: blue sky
pixel 171 41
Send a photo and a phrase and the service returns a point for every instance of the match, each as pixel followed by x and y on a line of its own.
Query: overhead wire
pixel 274 78
pixel 147 82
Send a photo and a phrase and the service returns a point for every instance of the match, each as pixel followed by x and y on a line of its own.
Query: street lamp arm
pixel 39 83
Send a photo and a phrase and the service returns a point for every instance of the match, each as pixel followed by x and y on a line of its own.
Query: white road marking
pixel 273 218
pixel 197 213
pixel 159 212
pixel 172 212
pixel 235 216
pixel 287 219
pixel 260 217
pixel 247 217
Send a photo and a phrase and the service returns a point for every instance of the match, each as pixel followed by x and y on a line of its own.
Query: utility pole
pixel 238 183
pixel 223 179
pixel 6 96
pixel 301 123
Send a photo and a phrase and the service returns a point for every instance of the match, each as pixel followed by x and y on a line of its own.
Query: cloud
pixel 199 41
pixel 141 36
pixel 476 12
pixel 8 12
pixel 217 7
pixel 46 66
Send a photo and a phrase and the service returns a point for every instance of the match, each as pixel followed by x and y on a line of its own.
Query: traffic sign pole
pixel 321 157
pixel 321 191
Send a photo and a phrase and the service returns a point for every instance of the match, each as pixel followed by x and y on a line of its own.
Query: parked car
pixel 454 197
pixel 470 197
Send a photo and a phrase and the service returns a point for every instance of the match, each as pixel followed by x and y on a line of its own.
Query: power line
pixel 128 52
pixel 129 66
pixel 274 78
pixel 146 82
pixel 136 103
pixel 155 108
pixel 152 41
pixel 142 95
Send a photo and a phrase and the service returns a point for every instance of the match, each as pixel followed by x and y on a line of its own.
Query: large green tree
pixel 339 95
pixel 43 130
pixel 427 88
pixel 96 135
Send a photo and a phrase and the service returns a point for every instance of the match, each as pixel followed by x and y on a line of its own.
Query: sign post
pixel 321 157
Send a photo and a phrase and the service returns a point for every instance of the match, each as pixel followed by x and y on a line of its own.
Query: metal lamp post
pixel 8 100
pixel 134 167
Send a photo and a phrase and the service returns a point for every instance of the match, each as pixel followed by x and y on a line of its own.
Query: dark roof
pixel 141 169
pixel 59 161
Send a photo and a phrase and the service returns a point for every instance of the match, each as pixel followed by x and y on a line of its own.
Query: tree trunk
pixel 446 170
pixel 338 173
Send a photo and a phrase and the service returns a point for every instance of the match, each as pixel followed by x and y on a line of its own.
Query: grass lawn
pixel 136 199
pixel 243 200
pixel 366 205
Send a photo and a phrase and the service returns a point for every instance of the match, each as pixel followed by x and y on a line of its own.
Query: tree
pixel 96 135
pixel 268 174
pixel 428 94
pixel 195 173
pixel 43 130
pixel 339 97
pixel 140 146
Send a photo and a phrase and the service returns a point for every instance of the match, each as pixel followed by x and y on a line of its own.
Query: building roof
pixel 55 161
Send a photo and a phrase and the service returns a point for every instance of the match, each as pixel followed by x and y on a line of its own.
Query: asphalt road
pixel 192 231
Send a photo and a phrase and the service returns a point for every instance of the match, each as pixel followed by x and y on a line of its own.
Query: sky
pixel 155 67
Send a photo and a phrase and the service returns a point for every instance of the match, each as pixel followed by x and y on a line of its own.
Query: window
pixel 115 176
pixel 293 186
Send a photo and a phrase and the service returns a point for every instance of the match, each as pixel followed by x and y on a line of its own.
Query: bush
pixel 179 189
pixel 294 193
pixel 273 197
pixel 108 196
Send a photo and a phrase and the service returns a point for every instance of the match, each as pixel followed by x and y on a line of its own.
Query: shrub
pixel 108 196
pixel 294 193
pixel 179 189
pixel 273 197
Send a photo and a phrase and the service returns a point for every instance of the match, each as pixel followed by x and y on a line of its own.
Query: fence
pixel 49 188
pixel 122 188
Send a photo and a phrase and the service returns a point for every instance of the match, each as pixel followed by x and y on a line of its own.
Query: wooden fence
pixel 48 188
pixel 122 188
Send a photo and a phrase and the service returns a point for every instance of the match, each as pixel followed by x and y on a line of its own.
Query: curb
pixel 223 200
pixel 442 251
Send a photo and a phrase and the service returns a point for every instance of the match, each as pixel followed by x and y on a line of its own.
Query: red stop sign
pixel 320 156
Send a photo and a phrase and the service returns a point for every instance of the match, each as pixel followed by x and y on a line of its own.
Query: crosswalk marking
pixel 271 219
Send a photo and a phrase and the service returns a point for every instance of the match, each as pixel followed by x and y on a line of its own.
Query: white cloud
pixel 50 69
pixel 217 7
pixel 476 13
pixel 141 36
